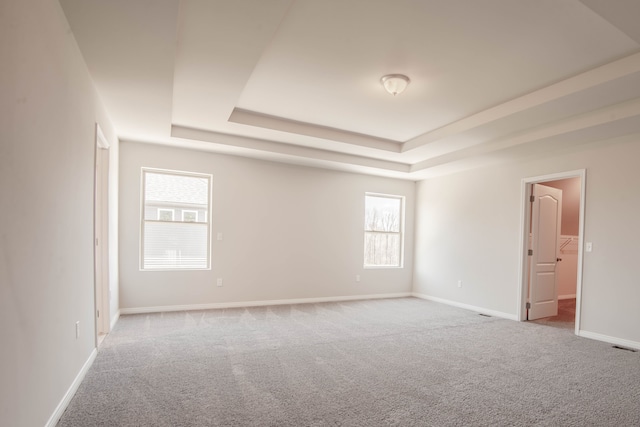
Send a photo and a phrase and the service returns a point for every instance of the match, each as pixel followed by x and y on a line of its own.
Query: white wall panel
pixel 49 109
pixel 288 232
pixel 468 228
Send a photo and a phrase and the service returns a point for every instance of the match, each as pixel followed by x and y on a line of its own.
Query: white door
pixel 546 213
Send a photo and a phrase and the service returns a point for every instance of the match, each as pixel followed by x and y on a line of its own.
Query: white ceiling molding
pixel 284 125
pixel 611 114
pixel 285 149
pixel 299 81
pixel 586 80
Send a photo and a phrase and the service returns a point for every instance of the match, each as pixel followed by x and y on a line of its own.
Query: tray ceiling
pixel 299 81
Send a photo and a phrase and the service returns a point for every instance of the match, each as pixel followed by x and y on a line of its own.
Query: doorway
pixel 556 282
pixel 101 233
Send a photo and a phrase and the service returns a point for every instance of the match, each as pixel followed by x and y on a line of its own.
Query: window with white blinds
pixel 175 220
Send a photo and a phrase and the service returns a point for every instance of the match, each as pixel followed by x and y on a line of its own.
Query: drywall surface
pixel 468 228
pixel 288 232
pixel 570 204
pixel 47 138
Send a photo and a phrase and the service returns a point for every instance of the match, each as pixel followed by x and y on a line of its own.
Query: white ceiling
pixel 298 81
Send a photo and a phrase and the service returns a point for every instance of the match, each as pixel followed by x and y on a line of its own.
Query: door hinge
pixel 96 241
pixel 97 313
pixel 532 198
pixel 530 252
pixel 528 306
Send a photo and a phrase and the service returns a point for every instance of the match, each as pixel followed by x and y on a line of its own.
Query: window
pixel 165 214
pixel 383 230
pixel 189 216
pixel 169 241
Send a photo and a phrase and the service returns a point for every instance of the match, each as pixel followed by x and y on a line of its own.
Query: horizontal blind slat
pixel 175 245
pixel 175 225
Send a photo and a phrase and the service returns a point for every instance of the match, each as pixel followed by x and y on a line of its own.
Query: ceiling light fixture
pixel 395 83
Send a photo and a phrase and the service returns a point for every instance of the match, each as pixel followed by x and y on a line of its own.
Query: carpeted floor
pixel 396 362
pixel 566 317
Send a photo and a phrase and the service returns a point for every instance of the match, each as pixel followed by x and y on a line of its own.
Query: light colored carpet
pixel 397 362
pixel 566 317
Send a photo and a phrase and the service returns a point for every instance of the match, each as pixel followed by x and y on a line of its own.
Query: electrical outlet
pixel 219 236
pixel 77 329
pixel 459 283
pixel 357 277
pixel 219 282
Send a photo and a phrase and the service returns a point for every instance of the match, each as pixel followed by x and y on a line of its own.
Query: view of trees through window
pixel 383 231
pixel 175 225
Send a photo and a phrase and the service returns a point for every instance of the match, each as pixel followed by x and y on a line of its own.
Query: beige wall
pixel 467 224
pixel 47 128
pixel 289 232
pixel 570 204
pixel 468 228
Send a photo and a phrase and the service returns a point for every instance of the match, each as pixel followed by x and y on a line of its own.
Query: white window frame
pixel 399 233
pixel 189 211
pixel 173 214
pixel 207 218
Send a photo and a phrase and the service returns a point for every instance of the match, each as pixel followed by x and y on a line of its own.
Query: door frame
pixel 101 235
pixel 525 219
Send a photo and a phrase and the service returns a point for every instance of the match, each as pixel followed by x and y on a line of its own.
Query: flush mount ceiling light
pixel 395 83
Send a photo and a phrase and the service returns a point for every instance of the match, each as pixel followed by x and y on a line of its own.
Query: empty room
pixel 310 213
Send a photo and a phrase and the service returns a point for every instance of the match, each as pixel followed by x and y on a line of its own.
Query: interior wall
pixel 570 204
pixel 47 142
pixel 289 232
pixel 567 269
pixel 468 228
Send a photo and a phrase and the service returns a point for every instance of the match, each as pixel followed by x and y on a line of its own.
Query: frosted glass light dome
pixel 395 83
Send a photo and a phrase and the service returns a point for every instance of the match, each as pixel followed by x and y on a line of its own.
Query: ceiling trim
pixel 589 79
pixel 594 77
pixel 251 118
pixel 285 149
pixel 591 119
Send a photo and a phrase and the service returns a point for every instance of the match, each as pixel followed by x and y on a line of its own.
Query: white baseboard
pixel 572 296
pixel 114 320
pixel 159 309
pixel 481 310
pixel 612 340
pixel 57 414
